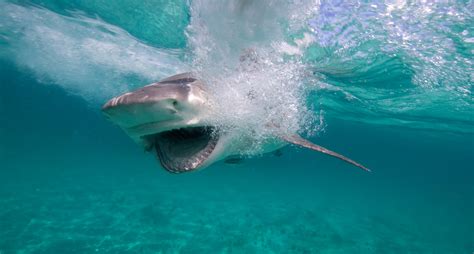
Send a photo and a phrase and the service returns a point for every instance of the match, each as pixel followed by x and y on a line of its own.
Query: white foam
pixel 236 47
pixel 256 76
pixel 85 56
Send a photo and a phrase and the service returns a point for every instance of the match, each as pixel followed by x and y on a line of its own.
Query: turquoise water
pixel 388 84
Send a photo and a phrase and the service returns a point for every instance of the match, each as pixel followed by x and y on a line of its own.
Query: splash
pixel 391 62
pixel 254 72
pixel 395 62
pixel 85 56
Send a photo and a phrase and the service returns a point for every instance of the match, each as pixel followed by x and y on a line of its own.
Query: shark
pixel 171 118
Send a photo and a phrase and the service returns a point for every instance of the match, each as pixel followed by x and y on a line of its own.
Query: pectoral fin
pixel 234 160
pixel 278 153
pixel 299 141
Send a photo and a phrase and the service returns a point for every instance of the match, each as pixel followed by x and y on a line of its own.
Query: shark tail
pixel 299 141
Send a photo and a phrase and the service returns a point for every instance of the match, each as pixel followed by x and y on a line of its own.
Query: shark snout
pixel 169 104
pixel 128 112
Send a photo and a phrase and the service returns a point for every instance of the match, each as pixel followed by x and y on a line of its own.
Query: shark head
pixel 172 118
pixel 169 117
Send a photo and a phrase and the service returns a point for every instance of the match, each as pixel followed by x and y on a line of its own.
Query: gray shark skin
pixel 171 118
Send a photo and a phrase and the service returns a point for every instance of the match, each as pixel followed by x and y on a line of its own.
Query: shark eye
pixel 175 103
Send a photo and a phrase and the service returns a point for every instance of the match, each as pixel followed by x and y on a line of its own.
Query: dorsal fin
pixel 299 141
pixel 182 76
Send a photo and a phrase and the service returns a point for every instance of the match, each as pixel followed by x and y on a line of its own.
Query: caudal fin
pixel 299 141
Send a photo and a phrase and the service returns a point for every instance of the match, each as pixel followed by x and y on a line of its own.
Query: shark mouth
pixel 186 149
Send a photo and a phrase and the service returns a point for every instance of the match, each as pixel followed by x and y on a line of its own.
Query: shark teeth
pixel 183 150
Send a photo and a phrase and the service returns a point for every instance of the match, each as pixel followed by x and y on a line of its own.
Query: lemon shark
pixel 172 119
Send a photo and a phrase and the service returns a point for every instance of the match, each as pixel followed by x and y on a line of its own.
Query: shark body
pixel 171 119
